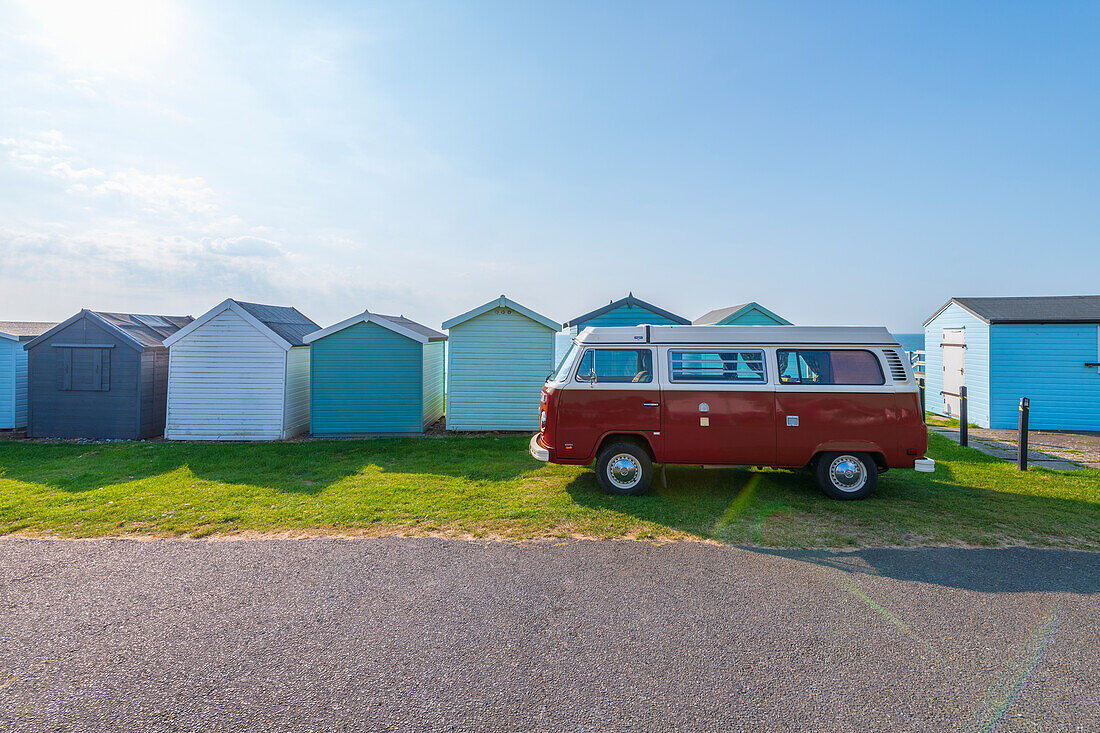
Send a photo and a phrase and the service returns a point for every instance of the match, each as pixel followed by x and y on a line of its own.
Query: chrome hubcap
pixel 847 473
pixel 624 470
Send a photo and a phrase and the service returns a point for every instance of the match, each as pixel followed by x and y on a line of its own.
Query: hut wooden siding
pixel 1035 347
pixel 628 311
pixel 974 359
pixel 376 375
pixel 99 375
pixel 234 377
pixel 9 350
pixel 498 358
pixel 13 370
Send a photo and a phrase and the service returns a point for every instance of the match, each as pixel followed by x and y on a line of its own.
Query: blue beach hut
pixel 1001 349
pixel 628 311
pixel 499 355
pixel 375 375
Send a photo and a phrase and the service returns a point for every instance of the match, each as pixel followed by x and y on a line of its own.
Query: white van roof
pixel 757 335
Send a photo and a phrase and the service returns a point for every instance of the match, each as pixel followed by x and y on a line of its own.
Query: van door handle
pixel 651 404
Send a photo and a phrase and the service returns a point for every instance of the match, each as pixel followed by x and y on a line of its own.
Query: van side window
pixel 829 366
pixel 617 366
pixel 726 367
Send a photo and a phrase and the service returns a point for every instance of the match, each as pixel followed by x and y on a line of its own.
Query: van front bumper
pixel 536 450
pixel 924 465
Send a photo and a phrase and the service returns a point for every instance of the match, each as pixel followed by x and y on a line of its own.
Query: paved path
pixel 424 634
pixel 1004 445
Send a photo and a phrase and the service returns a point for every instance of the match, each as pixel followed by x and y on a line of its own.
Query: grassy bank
pixel 490 486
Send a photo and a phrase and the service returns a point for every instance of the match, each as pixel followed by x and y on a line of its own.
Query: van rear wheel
pixel 624 469
pixel 846 476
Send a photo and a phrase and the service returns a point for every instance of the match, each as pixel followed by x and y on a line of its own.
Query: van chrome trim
pixel 924 465
pixel 536 450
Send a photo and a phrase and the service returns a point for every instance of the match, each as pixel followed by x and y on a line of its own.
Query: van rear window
pixel 830 366
pixel 727 367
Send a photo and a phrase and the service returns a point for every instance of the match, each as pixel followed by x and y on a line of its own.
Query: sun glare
pixel 110 35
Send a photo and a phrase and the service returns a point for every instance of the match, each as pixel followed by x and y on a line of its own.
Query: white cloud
pixel 246 246
pixel 48 154
pixel 160 192
pixel 145 235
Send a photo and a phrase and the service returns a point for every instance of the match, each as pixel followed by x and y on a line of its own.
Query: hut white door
pixel 954 350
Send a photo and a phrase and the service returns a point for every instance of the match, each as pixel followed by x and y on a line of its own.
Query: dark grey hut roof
pixel 285 321
pixel 1043 309
pixel 428 333
pixel 629 300
pixel 25 330
pixel 146 330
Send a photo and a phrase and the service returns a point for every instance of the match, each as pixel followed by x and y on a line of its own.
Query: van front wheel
pixel 846 476
pixel 624 469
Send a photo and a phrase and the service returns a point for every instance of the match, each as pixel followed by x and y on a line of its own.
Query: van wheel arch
pixel 877 457
pixel 639 440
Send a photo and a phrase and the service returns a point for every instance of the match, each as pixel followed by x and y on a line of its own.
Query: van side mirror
pixel 592 376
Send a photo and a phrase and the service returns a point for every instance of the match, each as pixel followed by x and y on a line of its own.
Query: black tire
pixel 617 479
pixel 846 476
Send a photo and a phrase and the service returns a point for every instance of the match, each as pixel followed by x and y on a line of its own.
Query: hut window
pixel 84 369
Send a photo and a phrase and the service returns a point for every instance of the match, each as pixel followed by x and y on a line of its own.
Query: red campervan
pixel 841 401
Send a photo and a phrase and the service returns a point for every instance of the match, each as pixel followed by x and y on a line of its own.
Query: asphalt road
pixel 426 634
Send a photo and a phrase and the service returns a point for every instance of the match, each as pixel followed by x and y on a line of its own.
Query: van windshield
pixel 562 372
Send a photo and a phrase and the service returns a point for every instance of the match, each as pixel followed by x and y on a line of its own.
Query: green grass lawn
pixel 930 418
pixel 489 486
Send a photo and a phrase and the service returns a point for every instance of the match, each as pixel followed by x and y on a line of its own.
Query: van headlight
pixel 542 419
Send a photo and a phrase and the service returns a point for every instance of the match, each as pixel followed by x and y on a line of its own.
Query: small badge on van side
pixel 792 421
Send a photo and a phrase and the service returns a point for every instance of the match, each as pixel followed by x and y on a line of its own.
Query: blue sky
pixel 839 163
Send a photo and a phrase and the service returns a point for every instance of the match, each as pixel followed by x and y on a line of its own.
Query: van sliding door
pixel 718 406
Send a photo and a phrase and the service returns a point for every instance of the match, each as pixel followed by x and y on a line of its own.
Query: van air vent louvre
pixel 897 366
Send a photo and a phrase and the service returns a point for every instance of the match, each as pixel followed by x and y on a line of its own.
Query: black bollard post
pixel 1021 449
pixel 964 438
pixel 923 409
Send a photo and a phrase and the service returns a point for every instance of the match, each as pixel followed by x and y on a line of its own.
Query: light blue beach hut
pixel 499 355
pixel 13 370
pixel 375 375
pixel 628 311
pixel 1001 349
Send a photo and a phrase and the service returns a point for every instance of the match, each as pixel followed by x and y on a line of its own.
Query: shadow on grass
pixel 974 500
pixel 298 467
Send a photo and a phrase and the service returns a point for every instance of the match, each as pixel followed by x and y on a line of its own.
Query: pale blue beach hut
pixel 499 355
pixel 13 370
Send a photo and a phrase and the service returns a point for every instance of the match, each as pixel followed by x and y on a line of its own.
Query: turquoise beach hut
pixel 375 375
pixel 628 311
pixel 499 355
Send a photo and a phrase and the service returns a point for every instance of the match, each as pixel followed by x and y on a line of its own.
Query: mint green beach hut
pixel 375 375
pixel 499 355
pixel 745 314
